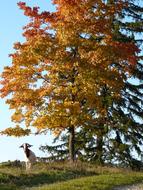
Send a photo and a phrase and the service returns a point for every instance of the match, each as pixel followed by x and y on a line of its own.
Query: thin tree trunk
pixel 72 144
pixel 99 148
pixel 72 129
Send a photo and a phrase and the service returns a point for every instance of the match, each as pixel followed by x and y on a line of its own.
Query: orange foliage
pixel 68 56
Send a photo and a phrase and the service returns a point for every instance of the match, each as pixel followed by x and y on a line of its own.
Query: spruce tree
pixel 123 124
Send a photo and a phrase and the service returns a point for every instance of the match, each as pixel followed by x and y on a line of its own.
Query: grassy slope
pixel 100 182
pixel 65 177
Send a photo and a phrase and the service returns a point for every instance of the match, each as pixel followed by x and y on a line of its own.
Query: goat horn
pixel 29 145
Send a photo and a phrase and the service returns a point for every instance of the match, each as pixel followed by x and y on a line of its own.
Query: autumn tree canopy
pixel 57 75
pixel 117 136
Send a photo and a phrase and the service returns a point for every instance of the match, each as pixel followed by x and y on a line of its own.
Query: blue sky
pixel 12 20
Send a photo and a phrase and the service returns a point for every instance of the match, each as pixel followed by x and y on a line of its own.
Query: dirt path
pixel 130 187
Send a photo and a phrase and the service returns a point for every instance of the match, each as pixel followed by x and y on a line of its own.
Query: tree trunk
pixel 99 150
pixel 72 144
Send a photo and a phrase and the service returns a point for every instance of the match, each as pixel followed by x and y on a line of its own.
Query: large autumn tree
pixel 119 136
pixel 57 75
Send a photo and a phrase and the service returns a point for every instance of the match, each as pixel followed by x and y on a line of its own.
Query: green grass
pixel 60 176
pixel 101 182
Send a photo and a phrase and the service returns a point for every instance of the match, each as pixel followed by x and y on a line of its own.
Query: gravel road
pixel 130 187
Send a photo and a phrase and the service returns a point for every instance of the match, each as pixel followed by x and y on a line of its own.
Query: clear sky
pixel 12 20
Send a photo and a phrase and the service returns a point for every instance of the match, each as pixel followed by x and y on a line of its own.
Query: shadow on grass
pixel 11 182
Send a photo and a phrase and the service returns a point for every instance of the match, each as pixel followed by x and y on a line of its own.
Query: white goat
pixel 30 156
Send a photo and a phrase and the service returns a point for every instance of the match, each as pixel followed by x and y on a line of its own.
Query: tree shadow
pixel 11 182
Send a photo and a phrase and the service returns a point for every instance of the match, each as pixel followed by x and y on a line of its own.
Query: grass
pixel 101 182
pixel 62 176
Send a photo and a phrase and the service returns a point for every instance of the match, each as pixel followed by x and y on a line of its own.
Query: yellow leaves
pixel 17 116
pixel 41 122
pixel 73 107
pixel 53 73
pixel 74 90
pixel 46 91
pixel 57 132
pixel 16 132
